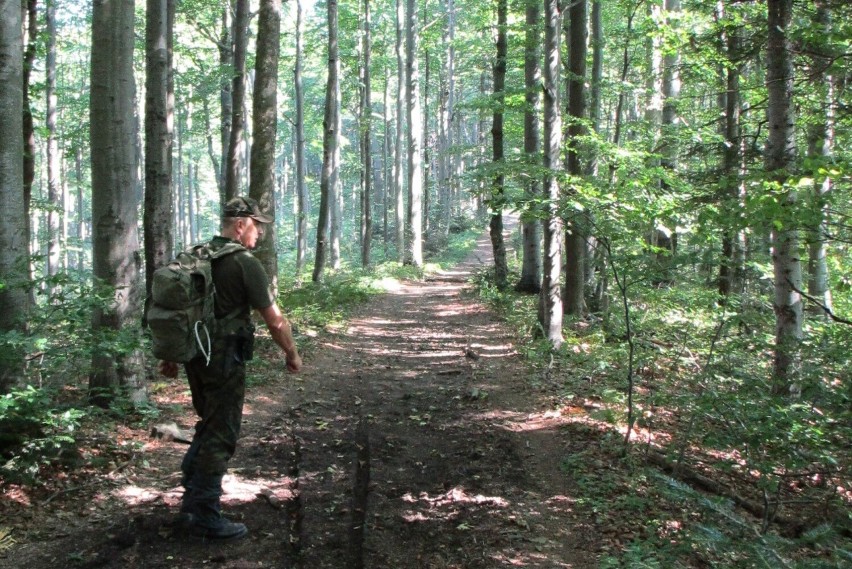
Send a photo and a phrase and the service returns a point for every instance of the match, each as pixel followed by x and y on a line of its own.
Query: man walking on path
pixel 218 387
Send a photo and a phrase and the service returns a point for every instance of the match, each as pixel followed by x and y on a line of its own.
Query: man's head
pixel 242 219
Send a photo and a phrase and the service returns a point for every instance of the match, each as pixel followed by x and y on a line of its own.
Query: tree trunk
pixel 330 142
pixel 238 95
pixel 226 62
pixel 730 268
pixel 820 149
pixel 550 305
pixel 31 37
pixel 14 255
pixel 264 115
pixel 116 255
pixel 575 231
pixel 366 154
pixel 55 194
pixel 399 184
pixel 301 185
pixel 157 223
pixel 497 200
pixel 779 157
pixel 414 224
pixel 530 280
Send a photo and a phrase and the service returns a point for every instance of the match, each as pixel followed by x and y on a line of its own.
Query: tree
pixel 301 186
pixel 530 280
pixel 550 304
pixel 575 235
pixel 399 154
pixel 779 158
pixel 116 257
pixel 157 223
pixel 330 143
pixel 238 95
pixel 414 221
pixel 820 137
pixel 265 117
pixel 55 195
pixel 497 198
pixel 14 256
pixel 366 151
pixel 31 25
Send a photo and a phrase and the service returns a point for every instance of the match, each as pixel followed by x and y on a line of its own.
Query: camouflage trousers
pixel 218 392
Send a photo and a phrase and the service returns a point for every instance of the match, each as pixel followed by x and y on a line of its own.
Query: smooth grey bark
pixel 264 130
pixel 366 150
pixel 303 198
pixel 30 20
pixel 779 157
pixel 497 200
pixel 330 143
pixel 14 257
pixel 574 302
pixel 399 150
pixel 414 221
pixel 55 193
pixel 530 280
pixel 157 221
pixel 226 62
pixel 731 265
pixel 820 149
pixel 115 242
pixel 233 164
pixel 550 305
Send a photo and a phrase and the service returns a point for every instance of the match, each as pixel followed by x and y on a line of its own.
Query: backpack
pixel 181 317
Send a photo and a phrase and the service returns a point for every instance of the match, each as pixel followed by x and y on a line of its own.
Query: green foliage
pixel 34 433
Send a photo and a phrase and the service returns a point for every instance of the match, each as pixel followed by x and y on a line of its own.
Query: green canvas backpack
pixel 180 315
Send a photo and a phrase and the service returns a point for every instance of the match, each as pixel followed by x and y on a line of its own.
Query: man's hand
pixel 294 362
pixel 168 369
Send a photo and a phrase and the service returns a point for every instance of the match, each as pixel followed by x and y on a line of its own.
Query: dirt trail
pixel 412 439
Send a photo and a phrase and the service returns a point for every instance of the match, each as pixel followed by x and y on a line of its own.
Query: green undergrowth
pixel 703 400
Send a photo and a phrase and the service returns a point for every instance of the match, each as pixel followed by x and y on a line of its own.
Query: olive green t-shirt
pixel 241 283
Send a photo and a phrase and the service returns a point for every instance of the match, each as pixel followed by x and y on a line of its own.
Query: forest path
pixel 424 394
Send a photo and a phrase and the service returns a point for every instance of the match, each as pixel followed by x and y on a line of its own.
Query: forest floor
pixel 411 439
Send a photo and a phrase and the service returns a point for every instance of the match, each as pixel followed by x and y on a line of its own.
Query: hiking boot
pixel 221 528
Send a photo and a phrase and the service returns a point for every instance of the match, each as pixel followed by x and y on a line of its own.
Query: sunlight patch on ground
pixel 532 560
pixel 237 490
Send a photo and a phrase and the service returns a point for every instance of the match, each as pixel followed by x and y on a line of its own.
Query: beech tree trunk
pixel 55 194
pixel 330 143
pixel 414 225
pixel 575 231
pixel 233 166
pixel 779 156
pixel 115 241
pixel 400 152
pixel 226 62
pixel 157 222
pixel 731 266
pixel 366 150
pixel 498 198
pixel 14 255
pixel 303 196
pixel 820 150
pixel 530 280
pixel 550 305
pixel 265 129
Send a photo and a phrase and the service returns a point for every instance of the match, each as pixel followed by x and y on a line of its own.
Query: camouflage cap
pixel 243 206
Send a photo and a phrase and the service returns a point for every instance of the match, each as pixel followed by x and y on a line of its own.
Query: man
pixel 218 388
